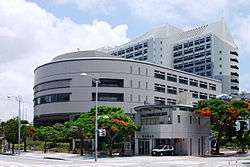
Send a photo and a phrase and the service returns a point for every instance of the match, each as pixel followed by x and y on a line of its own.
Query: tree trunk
pixel 25 145
pixel 110 148
pixel 218 140
pixel 242 146
pixel 13 148
pixel 45 146
pixel 81 146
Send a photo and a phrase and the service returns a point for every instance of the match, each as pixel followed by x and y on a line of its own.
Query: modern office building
pixel 174 125
pixel 60 92
pixel 208 51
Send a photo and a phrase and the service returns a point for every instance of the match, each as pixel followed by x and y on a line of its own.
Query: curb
pixel 54 158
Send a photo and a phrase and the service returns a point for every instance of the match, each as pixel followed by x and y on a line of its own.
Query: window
pixel 131 69
pixel 131 83
pixel 235 74
pixel 171 90
pixel 202 40
pixel 193 82
pixel 196 42
pixel 146 85
pixel 159 74
pixel 190 119
pixel 159 88
pixel 139 70
pixel 183 80
pixel 53 98
pixel 171 101
pixel 112 97
pixel 234 66
pixel 203 95
pixel 212 86
pixel 64 83
pixel 235 80
pixel 211 96
pixel 234 53
pixel 235 87
pixel 106 82
pixel 171 77
pixel 159 100
pixel 129 56
pixel 131 97
pixel 182 90
pixel 208 52
pixel 194 94
pixel 203 84
pixel 208 39
pixel 234 60
pixel 179 118
pixel 139 98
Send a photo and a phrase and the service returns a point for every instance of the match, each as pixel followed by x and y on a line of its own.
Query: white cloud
pixel 242 33
pixel 31 36
pixel 181 11
pixel 94 6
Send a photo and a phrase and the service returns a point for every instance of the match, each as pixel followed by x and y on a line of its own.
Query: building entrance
pixel 144 147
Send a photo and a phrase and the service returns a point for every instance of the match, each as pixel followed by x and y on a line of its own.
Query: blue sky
pixel 144 15
pixel 33 32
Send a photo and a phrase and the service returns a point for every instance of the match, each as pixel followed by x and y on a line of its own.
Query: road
pixel 37 160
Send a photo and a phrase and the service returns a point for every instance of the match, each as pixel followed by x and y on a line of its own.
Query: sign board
pixel 102 132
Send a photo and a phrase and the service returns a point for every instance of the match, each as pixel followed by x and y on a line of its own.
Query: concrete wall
pixel 138 73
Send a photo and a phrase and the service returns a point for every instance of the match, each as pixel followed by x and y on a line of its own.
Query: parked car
pixel 163 150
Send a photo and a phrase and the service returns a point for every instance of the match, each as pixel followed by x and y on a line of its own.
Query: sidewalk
pixel 53 155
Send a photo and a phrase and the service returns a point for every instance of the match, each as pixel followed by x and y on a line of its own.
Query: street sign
pixel 102 132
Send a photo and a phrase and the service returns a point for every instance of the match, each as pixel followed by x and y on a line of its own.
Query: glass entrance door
pixel 144 147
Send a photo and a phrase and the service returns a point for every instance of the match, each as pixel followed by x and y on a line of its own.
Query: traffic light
pixel 102 132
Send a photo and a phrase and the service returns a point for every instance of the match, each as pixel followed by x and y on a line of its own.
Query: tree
pixel 222 114
pixel 27 131
pixel 115 122
pixel 52 134
pixel 243 133
pixel 80 128
pixel 10 129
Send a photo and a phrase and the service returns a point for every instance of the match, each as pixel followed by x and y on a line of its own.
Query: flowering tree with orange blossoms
pixel 222 114
pixel 118 125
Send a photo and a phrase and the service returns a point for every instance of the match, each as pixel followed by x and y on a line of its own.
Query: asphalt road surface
pixel 38 160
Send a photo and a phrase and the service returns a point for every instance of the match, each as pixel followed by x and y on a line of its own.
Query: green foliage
pixel 223 116
pixel 118 125
pixel 51 133
pixel 10 129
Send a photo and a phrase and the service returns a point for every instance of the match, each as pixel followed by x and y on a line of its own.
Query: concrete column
pixel 151 145
pixel 73 144
pixel 136 146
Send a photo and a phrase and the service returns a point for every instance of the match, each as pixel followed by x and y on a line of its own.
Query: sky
pixel 33 32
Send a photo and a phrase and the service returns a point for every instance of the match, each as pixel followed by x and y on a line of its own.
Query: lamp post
pixel 96 80
pixel 19 100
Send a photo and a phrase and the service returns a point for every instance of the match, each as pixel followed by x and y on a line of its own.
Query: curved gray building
pixel 60 92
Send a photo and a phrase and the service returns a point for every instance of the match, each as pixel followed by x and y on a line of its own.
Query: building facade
pixel 175 125
pixel 60 92
pixel 208 51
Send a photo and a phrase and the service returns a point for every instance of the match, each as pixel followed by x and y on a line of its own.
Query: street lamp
pixel 96 80
pixel 19 100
